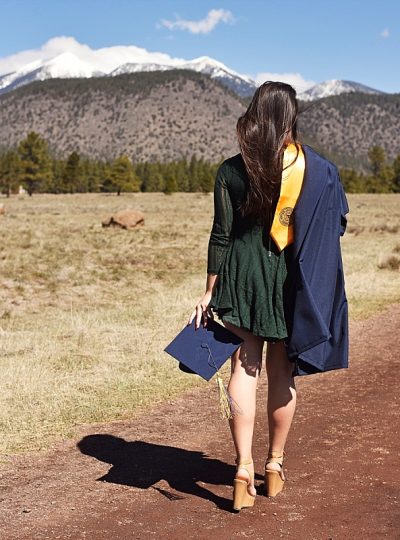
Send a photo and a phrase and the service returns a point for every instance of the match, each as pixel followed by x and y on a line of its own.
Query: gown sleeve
pixel 220 236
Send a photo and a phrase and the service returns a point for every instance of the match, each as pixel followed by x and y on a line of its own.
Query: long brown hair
pixel 262 133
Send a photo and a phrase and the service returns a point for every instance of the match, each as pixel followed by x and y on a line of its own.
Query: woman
pixel 274 273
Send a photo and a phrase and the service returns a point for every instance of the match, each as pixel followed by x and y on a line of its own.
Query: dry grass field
pixel 85 312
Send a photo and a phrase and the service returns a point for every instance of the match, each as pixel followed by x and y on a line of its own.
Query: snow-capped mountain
pixel 64 57
pixel 242 85
pixel 69 65
pixel 335 87
pixel 64 65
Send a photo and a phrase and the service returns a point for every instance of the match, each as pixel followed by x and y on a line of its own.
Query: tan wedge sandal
pixel 274 480
pixel 241 496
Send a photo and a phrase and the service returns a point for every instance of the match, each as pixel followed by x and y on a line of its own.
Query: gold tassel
pixel 228 406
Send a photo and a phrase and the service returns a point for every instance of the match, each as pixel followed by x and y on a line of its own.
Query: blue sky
pixel 309 41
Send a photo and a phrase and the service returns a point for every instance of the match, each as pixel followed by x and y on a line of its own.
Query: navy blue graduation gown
pixel 316 310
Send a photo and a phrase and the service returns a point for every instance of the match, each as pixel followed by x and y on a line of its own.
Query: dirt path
pixel 168 475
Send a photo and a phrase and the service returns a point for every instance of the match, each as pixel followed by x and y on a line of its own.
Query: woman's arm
pixel 211 282
pixel 220 235
pixel 220 239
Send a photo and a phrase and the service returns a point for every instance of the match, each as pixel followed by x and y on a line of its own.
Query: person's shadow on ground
pixel 143 465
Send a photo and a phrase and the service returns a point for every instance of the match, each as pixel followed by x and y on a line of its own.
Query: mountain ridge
pixel 161 116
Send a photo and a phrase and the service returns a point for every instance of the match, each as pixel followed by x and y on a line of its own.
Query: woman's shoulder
pixel 232 172
pixel 234 165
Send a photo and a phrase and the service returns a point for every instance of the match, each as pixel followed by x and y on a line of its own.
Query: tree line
pixel 383 176
pixel 31 166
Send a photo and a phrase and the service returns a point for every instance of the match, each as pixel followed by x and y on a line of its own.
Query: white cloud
pixel 105 59
pixel 299 83
pixel 204 26
pixel 385 33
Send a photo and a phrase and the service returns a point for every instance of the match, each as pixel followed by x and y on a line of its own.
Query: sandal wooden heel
pixel 241 496
pixel 274 480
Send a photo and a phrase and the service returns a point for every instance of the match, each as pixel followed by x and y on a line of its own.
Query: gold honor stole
pixel 292 179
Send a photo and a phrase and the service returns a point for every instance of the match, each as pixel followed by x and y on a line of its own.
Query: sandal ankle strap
pixel 247 462
pixel 243 465
pixel 275 456
pixel 276 453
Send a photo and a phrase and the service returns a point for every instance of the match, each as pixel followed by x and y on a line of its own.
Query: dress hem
pixel 236 322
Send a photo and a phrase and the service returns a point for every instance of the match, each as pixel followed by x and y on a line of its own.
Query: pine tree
pixel 139 172
pixel 396 174
pixel 96 176
pixel 155 178
pixel 206 178
pixel 91 171
pixel 376 156
pixel 194 180
pixel 123 176
pixel 35 162
pixel 10 170
pixel 85 169
pixel 56 186
pixel 182 175
pixel 171 184
pixel 105 175
pixel 72 177
pixel 352 181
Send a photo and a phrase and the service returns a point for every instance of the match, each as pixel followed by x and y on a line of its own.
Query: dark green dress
pixel 252 271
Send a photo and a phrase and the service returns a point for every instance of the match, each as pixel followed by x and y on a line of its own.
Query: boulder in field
pixel 126 219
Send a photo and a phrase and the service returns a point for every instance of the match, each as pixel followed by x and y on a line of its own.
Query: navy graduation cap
pixel 204 351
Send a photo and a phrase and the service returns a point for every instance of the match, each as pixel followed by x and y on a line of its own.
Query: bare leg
pixel 246 366
pixel 281 397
